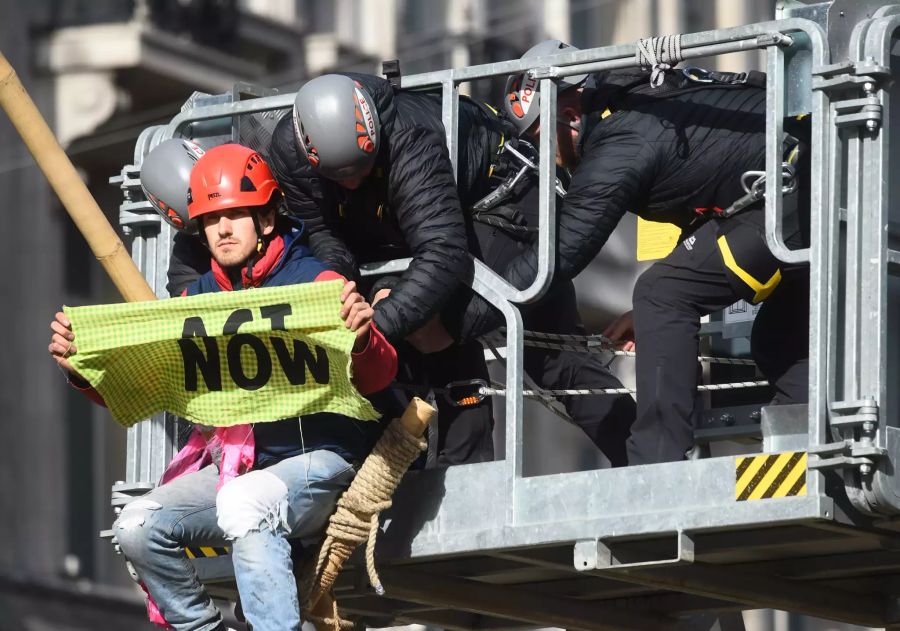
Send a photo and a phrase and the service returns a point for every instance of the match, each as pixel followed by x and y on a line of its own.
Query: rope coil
pixel 355 519
pixel 658 54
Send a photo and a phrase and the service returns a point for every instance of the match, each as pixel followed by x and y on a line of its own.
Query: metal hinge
pixel 135 212
pixel 857 423
pixel 866 110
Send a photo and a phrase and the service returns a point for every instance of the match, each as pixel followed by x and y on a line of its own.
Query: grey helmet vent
pixel 336 125
pixel 165 179
pixel 523 97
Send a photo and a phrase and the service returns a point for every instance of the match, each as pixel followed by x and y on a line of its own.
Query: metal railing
pixel 797 54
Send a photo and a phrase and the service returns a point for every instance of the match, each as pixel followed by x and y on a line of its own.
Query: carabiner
pixel 466 393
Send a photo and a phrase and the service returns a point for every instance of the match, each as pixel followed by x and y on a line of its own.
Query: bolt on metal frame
pixel 492 506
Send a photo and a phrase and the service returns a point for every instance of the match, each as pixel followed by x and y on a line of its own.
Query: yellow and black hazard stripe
pixel 206 552
pixel 770 475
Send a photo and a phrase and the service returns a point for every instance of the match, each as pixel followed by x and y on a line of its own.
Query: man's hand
pixel 431 338
pixel 62 342
pixel 622 331
pixel 357 315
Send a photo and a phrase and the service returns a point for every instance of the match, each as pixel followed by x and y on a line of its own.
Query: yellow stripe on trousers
pixel 762 289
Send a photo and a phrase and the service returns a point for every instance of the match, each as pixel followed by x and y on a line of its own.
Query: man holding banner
pixel 248 485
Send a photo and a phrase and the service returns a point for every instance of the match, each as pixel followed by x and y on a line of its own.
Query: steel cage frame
pixel 516 509
pixel 769 35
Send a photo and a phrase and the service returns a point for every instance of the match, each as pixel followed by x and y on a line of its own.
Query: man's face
pixel 353 183
pixel 232 236
pixel 568 117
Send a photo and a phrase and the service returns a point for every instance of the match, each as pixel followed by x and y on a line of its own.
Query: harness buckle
pixel 756 190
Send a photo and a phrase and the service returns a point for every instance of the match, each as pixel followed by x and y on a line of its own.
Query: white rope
pixel 549 402
pixel 736 385
pixel 658 54
pixel 603 346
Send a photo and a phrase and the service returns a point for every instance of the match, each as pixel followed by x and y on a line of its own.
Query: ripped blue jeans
pixel 254 514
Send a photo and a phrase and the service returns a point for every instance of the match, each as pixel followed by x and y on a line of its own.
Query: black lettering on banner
pixel 236 368
pixel 276 314
pixel 295 366
pixel 195 360
pixel 235 320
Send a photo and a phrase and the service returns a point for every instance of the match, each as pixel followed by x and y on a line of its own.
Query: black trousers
pixel 606 419
pixel 464 433
pixel 696 279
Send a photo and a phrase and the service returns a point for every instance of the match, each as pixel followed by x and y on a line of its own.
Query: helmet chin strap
pixel 260 246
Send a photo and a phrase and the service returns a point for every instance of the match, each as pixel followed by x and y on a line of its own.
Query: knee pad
pixel 253 501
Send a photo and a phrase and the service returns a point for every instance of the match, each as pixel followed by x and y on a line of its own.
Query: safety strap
pixel 699 75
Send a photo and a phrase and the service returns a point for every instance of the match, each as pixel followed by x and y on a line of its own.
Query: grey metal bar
pixel 488 284
pixel 775 100
pixel 752 43
pixel 760 591
pixel 881 362
pixel 624 52
pixel 856 208
pixel 225 110
pixel 450 118
pixel 824 227
pixel 893 261
pixel 547 197
pixel 384 267
pixel 480 597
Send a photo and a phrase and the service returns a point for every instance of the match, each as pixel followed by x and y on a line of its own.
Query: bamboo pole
pixel 72 192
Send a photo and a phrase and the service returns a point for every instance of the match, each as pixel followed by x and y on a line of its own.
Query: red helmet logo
pixel 365 122
pixel 229 176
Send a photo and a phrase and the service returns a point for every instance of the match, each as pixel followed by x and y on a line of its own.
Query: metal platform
pixel 662 546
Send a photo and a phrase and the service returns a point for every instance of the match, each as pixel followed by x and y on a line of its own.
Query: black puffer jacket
pixel 408 206
pixel 662 153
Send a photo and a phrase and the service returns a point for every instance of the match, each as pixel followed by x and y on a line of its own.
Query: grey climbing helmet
pixel 166 177
pixel 337 126
pixel 522 102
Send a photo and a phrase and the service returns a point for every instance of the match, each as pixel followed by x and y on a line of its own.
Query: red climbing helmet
pixel 229 176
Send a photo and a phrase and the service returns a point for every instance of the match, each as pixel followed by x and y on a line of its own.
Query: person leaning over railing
pixel 379 186
pixel 679 153
pixel 365 164
pixel 254 486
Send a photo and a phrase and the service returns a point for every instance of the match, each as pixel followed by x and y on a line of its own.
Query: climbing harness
pixel 516 158
pixel 755 189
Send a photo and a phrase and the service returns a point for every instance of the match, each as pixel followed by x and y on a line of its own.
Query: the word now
pixel 206 362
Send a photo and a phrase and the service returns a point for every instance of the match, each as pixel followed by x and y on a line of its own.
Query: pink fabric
pixel 238 453
pixel 153 611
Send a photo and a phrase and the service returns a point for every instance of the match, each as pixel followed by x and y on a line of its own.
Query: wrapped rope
pixel 356 518
pixel 658 54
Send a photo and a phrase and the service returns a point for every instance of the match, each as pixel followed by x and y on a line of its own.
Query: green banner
pixel 222 358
